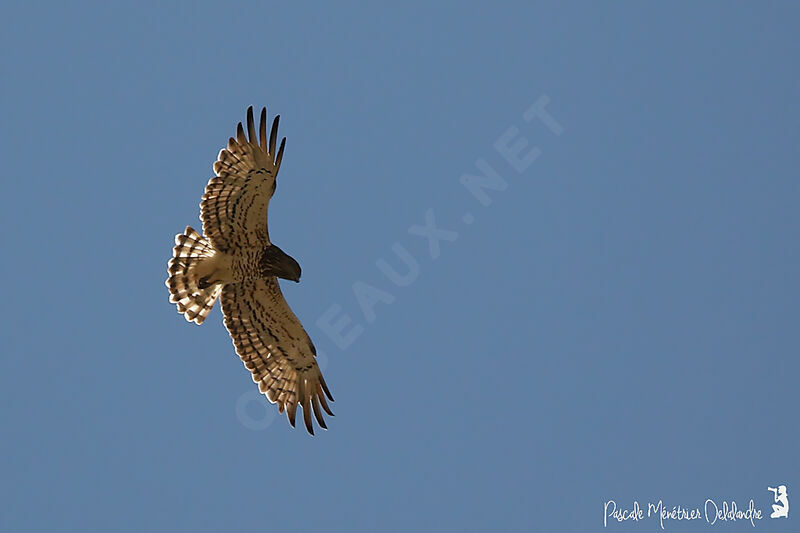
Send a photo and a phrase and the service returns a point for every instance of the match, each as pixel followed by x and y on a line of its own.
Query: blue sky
pixel 618 323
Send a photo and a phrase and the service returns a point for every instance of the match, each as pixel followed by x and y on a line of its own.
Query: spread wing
pixel 235 203
pixel 277 350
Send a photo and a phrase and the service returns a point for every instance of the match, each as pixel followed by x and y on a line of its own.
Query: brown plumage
pixel 237 260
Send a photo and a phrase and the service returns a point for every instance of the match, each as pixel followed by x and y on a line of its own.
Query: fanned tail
pixel 192 301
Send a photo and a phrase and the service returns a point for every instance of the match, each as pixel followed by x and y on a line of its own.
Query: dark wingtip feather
pixel 318 412
pixel 279 157
pixel 325 388
pixel 307 416
pixel 273 135
pixel 240 133
pixel 321 397
pixel 262 127
pixel 251 128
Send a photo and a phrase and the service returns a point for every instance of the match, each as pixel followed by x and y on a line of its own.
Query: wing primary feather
pixel 251 128
pixel 325 388
pixel 318 412
pixel 262 127
pixel 273 135
pixel 307 414
pixel 321 396
pixel 240 134
pixel 279 157
pixel 291 411
pixel 303 396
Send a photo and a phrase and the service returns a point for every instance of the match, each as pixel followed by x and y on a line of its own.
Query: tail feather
pixel 192 301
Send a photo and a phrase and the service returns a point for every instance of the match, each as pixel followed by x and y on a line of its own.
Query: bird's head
pixel 276 262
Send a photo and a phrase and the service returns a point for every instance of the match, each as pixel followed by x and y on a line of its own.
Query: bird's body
pixel 237 261
pixel 243 264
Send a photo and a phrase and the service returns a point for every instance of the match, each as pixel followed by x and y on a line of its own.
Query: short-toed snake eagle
pixel 237 262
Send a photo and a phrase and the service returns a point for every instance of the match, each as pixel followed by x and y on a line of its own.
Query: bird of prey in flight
pixel 236 261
